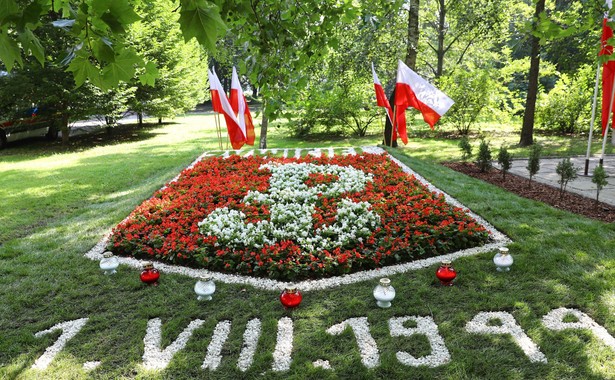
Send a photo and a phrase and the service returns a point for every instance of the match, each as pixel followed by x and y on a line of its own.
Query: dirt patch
pixel 550 195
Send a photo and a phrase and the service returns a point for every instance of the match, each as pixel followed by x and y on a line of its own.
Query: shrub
pixel 471 91
pixel 567 172
pixel 505 160
pixel 466 148
pixel 483 158
pixel 533 162
pixel 599 178
pixel 564 108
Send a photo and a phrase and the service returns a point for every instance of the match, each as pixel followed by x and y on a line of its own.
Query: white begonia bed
pixel 498 239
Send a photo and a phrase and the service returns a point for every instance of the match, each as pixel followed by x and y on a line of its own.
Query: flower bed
pixel 290 219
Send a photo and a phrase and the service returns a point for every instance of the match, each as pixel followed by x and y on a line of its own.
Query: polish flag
pixel 240 107
pixel 413 91
pixel 215 96
pixel 608 75
pixel 236 133
pixel 381 98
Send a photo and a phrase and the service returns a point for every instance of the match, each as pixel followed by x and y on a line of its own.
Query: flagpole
pixel 218 130
pixel 393 124
pixel 593 119
pixel 608 124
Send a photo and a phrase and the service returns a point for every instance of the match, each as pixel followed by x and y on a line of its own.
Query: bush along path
pixel 550 195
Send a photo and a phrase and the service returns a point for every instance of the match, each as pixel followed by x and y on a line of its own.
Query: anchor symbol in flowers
pixel 292 197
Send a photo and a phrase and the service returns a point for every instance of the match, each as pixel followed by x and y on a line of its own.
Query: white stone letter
pixel 213 358
pixel 69 330
pixel 284 345
pixel 250 342
pixel 156 358
pixel 367 345
pixel 480 325
pixel 555 321
pixel 424 326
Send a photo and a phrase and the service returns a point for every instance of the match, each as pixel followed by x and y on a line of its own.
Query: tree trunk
pixel 140 118
pixel 264 124
pixel 527 131
pixel 441 32
pixel 413 34
pixel 159 120
pixel 64 129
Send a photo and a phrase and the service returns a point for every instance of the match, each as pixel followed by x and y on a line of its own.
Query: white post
pixel 593 119
pixel 608 124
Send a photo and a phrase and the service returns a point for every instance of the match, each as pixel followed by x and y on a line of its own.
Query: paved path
pixel 582 185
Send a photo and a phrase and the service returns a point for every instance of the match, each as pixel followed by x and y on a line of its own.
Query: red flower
pixel 415 222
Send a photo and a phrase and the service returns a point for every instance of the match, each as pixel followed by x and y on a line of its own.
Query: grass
pixel 58 202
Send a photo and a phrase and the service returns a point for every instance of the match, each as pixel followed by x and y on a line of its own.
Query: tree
pixel 527 130
pixel 483 157
pixel 182 66
pixel 567 172
pixel 98 52
pixel 48 84
pixel 413 33
pixel 505 160
pixel 599 178
pixel 533 162
pixel 454 26
pixel 466 148
pixel 279 42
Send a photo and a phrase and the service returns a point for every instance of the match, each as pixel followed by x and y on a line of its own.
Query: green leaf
pixel 8 8
pixel 114 23
pixel 122 70
pixel 9 51
pixel 31 14
pixel 82 70
pixel 151 74
pixel 102 51
pixel 100 6
pixel 201 23
pixel 31 43
pixel 124 12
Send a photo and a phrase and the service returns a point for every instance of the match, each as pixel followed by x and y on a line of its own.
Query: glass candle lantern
pixel 150 275
pixel 291 298
pixel 503 260
pixel 446 273
pixel 384 293
pixel 109 263
pixel 204 288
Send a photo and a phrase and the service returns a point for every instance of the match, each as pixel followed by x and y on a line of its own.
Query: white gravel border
pixel 498 240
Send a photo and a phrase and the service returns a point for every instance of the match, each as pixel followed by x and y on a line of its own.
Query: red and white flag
pixel 236 133
pixel 240 107
pixel 413 91
pixel 381 98
pixel 215 96
pixel 608 75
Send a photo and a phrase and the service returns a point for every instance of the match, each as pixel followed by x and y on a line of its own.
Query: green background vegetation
pixel 59 201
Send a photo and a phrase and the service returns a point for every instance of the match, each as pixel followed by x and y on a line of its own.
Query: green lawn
pixel 58 202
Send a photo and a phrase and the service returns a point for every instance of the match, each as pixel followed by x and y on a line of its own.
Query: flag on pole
pixel 381 98
pixel 215 96
pixel 240 107
pixel 236 133
pixel 413 91
pixel 608 74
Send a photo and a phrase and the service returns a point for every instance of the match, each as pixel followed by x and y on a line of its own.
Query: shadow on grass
pixel 125 133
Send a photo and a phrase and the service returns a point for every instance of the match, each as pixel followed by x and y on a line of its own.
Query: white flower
pixel 291 205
